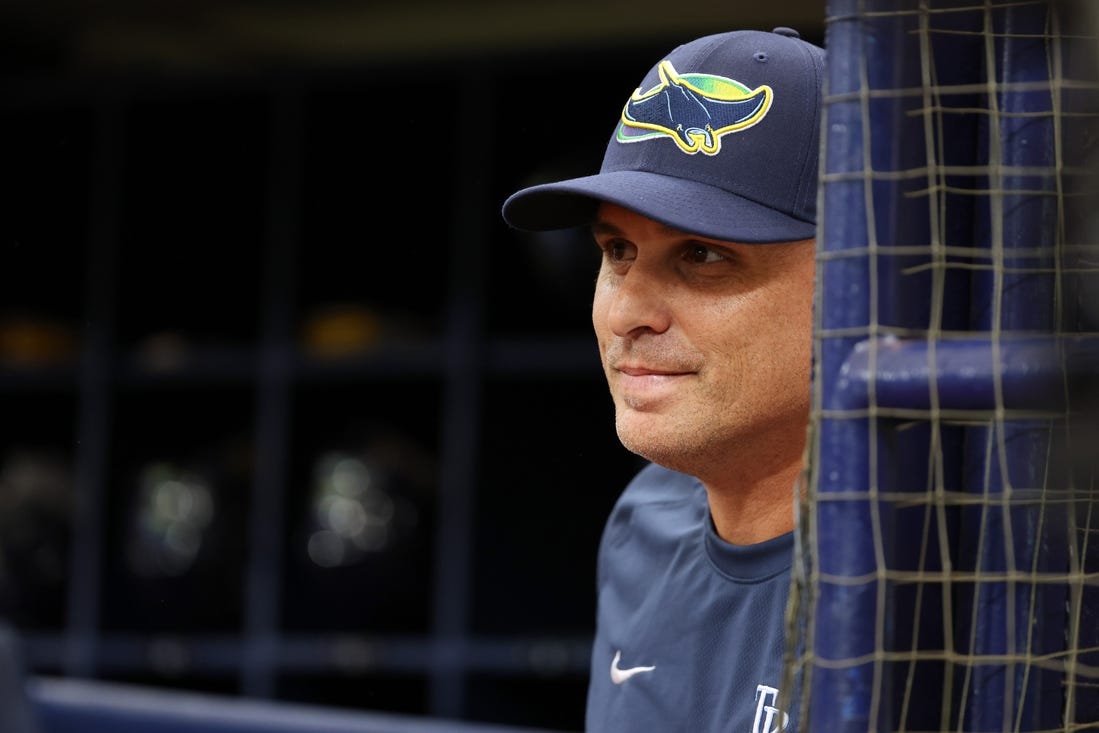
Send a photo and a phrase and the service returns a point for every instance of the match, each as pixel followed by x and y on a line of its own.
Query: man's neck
pixel 753 500
pixel 765 512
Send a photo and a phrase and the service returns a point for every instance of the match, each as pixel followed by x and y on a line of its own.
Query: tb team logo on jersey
pixel 694 110
pixel 769 719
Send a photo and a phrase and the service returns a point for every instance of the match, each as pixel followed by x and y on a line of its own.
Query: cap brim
pixel 685 205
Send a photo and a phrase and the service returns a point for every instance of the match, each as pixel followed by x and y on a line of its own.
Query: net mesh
pixel 948 568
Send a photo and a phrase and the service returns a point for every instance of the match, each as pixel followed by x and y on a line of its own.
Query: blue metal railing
pixel 80 706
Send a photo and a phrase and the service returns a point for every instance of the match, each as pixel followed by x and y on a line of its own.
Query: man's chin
pixel 663 440
pixel 643 434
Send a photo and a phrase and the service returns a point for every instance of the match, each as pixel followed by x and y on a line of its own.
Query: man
pixel 705 211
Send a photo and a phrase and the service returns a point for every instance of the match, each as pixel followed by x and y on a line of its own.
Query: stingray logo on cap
pixel 694 110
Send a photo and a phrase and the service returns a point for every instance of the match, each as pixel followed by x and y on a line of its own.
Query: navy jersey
pixel 689 632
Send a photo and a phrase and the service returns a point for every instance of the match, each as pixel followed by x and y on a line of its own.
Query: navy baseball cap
pixel 721 139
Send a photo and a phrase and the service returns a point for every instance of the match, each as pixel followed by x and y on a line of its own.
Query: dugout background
pixel 240 240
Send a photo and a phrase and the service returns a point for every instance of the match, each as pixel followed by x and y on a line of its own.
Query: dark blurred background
pixel 289 413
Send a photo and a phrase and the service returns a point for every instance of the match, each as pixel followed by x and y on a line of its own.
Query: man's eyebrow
pixel 601 226
pixel 604 227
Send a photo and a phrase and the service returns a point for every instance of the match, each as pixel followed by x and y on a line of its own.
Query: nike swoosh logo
pixel 618 675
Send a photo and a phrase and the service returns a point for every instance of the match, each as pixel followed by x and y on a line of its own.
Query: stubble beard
pixel 669 435
pixel 681 443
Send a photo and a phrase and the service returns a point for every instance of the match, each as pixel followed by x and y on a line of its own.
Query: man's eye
pixel 701 254
pixel 617 251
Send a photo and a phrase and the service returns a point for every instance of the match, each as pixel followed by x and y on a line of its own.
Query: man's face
pixel 706 344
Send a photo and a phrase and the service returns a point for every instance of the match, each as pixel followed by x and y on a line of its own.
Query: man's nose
pixel 639 304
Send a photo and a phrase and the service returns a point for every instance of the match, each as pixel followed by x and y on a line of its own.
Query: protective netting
pixel 948 568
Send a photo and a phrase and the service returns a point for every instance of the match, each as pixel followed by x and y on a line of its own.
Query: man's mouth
pixel 631 370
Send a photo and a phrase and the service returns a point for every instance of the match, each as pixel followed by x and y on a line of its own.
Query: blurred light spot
pixel 373 537
pixel 346 517
pixel 340 330
pixel 36 489
pixel 326 548
pixel 174 510
pixel 354 514
pixel 350 477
